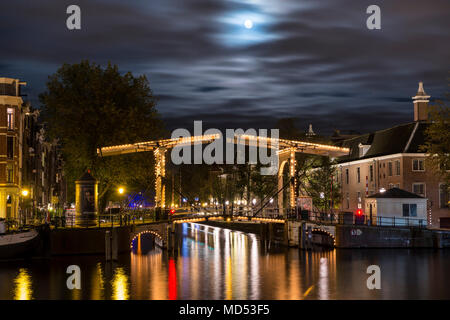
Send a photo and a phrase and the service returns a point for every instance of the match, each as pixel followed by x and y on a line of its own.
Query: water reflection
pixel 98 283
pixel 214 263
pixel 23 287
pixel 119 285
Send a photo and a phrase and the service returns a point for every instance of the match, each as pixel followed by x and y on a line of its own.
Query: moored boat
pixel 18 245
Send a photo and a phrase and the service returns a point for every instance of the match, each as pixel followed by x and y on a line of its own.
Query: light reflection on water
pixel 23 289
pixel 120 285
pixel 214 263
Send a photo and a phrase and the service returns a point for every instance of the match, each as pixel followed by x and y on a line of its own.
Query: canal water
pixel 215 263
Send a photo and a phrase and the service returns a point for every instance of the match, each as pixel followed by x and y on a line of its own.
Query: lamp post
pixel 24 194
pixel 120 191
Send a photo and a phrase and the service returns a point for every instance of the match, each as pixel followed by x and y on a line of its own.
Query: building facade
pixel 31 173
pixel 392 158
pixel 11 135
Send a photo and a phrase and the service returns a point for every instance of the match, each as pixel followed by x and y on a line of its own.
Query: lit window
pixel 10 118
pixel 418 165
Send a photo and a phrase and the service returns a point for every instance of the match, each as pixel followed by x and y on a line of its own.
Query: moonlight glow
pixel 248 24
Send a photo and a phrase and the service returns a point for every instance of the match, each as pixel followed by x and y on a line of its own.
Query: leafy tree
pixel 86 107
pixel 437 141
pixel 262 185
pixel 316 178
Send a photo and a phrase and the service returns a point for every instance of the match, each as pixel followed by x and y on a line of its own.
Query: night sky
pixel 314 60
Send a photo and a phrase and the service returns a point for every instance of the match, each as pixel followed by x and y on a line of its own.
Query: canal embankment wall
pixel 293 234
pixel 361 236
pixel 86 241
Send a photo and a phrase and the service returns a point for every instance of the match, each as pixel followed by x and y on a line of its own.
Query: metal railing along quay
pixel 350 218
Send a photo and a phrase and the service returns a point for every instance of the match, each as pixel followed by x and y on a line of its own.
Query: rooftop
pixel 396 193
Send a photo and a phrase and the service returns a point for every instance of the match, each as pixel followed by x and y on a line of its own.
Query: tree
pixel 262 185
pixel 87 107
pixel 317 179
pixel 437 141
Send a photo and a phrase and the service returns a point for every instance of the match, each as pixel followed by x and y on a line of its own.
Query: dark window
pixel 10 173
pixel 10 147
pixel 371 172
pixel 418 165
pixel 358 175
pixel 390 168
pixel 419 188
pixel 405 210
pixel 397 167
pixel 410 210
pixel 346 176
pixel 444 196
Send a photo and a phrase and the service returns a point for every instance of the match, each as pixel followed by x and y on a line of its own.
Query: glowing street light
pixel 121 190
pixel 25 192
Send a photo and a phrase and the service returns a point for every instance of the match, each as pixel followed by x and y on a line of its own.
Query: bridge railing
pixel 124 218
pixel 349 218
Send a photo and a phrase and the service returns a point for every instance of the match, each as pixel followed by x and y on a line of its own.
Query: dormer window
pixel 363 148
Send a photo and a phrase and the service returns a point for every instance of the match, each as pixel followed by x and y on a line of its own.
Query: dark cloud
pixel 313 60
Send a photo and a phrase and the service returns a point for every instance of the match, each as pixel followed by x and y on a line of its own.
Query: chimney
pixel 420 101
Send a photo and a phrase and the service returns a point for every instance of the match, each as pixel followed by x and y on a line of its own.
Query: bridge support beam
pixel 287 156
pixel 160 173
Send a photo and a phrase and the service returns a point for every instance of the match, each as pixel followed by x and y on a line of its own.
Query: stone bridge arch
pixel 159 230
pixel 322 234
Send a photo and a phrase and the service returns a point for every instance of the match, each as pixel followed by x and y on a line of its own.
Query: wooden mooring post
pixel 111 249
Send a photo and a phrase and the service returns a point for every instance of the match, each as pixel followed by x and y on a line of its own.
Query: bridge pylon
pixel 287 156
pixel 160 173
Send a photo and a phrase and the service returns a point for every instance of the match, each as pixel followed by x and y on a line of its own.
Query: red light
pixel 359 212
pixel 172 211
pixel 172 279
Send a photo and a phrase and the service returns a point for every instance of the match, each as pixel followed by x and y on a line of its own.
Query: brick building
pixel 391 158
pixel 11 123
pixel 27 161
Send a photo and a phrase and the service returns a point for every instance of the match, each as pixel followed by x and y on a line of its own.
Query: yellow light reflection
pixel 120 285
pixel 97 283
pixel 23 289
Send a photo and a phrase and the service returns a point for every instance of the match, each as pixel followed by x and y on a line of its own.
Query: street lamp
pixel 120 191
pixel 24 193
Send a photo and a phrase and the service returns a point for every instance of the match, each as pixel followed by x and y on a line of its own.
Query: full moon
pixel 248 24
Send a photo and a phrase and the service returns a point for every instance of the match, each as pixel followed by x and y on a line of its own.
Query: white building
pixel 396 207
